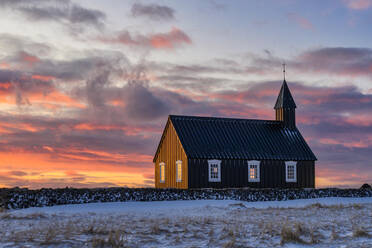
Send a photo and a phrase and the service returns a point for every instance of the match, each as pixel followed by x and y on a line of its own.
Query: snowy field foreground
pixel 322 222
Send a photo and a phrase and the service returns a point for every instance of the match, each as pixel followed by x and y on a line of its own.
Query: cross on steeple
pixel 284 70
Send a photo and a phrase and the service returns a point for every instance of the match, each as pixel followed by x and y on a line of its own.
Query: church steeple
pixel 285 107
pixel 285 99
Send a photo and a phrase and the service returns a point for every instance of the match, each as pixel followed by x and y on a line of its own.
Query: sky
pixel 86 85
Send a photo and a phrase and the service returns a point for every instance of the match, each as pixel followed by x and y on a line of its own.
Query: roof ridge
pixel 221 118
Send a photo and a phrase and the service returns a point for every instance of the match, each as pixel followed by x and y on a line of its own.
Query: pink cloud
pixel 301 21
pixel 358 4
pixel 28 58
pixel 348 144
pixel 169 40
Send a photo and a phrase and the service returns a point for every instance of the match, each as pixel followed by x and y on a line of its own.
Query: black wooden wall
pixel 234 174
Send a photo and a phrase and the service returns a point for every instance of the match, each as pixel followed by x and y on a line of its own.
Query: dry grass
pixel 114 240
pixel 298 233
pixel 334 207
pixel 289 234
pixel 232 227
pixel 230 244
pixel 10 216
pixel 50 236
pixel 155 229
pixel 334 235
pixel 360 232
pixel 357 206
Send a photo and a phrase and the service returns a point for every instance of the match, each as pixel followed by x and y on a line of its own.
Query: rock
pixel 365 186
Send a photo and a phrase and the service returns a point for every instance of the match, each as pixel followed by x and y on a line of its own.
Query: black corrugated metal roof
pixel 285 99
pixel 227 138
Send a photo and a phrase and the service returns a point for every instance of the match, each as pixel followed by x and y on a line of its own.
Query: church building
pixel 212 152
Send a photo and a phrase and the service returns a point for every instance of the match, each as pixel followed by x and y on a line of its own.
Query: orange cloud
pixel 43 77
pixel 329 177
pixel 128 130
pixel 9 127
pixel 41 170
pixel 53 100
pixel 5 86
pixel 4 65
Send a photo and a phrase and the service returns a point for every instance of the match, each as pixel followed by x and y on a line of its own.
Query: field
pixel 322 222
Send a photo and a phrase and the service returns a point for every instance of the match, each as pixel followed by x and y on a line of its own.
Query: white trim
pixel 160 175
pixel 255 163
pixel 294 164
pixel 218 163
pixel 178 162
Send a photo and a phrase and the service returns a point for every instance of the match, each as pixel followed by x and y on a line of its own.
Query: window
pixel 253 171
pixel 290 171
pixel 162 172
pixel 179 171
pixel 214 169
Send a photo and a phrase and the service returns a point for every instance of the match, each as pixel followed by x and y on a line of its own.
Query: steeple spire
pixel 285 99
pixel 285 106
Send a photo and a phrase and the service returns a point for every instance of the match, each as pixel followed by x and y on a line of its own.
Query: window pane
pixel 214 171
pixel 253 171
pixel 290 171
pixel 179 172
pixel 162 173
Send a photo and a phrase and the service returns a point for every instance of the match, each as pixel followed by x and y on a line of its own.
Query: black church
pixel 210 152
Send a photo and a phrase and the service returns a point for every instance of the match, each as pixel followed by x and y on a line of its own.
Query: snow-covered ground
pixel 321 222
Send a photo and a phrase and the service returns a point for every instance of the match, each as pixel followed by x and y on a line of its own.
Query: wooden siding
pixel 287 116
pixel 171 150
pixel 234 174
pixel 279 114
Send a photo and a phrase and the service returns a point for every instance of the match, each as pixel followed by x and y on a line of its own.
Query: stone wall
pixel 17 198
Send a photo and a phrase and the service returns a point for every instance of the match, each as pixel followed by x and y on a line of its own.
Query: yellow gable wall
pixel 169 152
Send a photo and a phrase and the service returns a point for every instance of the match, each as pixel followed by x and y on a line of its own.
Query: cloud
pixel 111 111
pixel 358 4
pixel 22 85
pixel 301 21
pixel 152 11
pixel 18 173
pixel 168 40
pixel 142 104
pixel 344 61
pixel 217 5
pixel 28 58
pixel 12 45
pixel 337 60
pixel 64 12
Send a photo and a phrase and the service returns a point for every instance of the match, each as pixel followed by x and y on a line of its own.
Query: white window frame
pixel 178 177
pixel 214 162
pixel 294 164
pixel 255 163
pixel 160 175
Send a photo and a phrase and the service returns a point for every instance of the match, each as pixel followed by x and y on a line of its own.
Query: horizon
pixel 86 86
